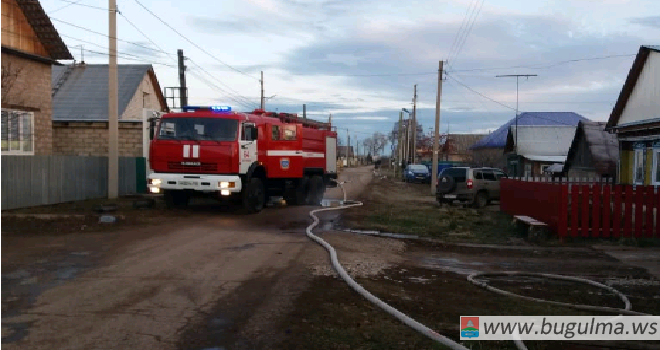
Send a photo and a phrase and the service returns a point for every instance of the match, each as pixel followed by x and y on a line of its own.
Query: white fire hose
pixel 472 278
pixel 358 288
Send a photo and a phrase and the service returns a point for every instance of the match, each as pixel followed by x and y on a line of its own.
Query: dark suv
pixel 476 186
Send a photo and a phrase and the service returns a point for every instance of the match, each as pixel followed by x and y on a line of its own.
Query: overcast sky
pixel 359 59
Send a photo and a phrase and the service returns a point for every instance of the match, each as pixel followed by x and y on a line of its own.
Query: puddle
pixel 450 265
pixel 22 287
pixel 380 234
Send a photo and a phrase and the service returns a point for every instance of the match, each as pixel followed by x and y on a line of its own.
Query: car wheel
pixel 480 200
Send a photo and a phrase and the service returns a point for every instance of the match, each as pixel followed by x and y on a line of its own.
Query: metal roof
pixel 82 94
pixel 497 139
pixel 542 142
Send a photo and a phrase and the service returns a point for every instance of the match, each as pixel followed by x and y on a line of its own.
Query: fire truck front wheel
pixel 254 196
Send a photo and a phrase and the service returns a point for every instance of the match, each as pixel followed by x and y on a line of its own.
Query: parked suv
pixel 476 186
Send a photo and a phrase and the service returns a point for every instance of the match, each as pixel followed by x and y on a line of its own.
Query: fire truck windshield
pixel 207 129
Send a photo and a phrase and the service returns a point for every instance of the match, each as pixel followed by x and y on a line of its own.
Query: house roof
pixel 44 29
pixel 497 139
pixel 542 142
pixel 602 145
pixel 460 143
pixel 81 91
pixel 631 81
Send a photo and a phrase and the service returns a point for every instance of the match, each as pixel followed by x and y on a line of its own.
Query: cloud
pixel 650 21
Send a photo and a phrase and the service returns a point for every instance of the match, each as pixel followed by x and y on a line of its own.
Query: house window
pixel 17 132
pixel 655 173
pixel 638 167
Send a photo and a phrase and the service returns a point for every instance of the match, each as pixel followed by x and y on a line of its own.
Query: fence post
pixel 562 229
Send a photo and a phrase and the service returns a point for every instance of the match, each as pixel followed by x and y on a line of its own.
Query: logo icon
pixel 284 163
pixel 469 327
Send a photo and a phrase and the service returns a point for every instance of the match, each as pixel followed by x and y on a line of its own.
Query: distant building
pixel 530 149
pixel 489 151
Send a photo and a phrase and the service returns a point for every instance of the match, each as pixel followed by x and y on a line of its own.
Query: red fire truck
pixel 243 157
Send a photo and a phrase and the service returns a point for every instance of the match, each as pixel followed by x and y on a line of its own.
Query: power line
pixel 83 5
pixel 65 6
pixel 191 42
pixel 460 29
pixel 479 93
pixel 119 55
pixel 145 36
pixel 233 92
pixel 538 66
pixel 103 34
pixel 212 85
pixel 469 30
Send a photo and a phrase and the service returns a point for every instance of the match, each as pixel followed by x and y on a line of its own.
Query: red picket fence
pixel 585 209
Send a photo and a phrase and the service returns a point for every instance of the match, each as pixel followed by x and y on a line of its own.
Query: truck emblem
pixel 246 154
pixel 284 163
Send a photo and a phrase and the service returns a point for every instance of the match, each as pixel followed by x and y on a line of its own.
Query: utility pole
pixel 348 153
pixel 436 134
pixel 113 104
pixel 183 90
pixel 517 76
pixel 414 127
pixel 262 90
pixel 304 110
pixel 399 145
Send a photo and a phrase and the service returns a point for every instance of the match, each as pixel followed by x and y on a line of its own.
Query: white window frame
pixel 654 163
pixel 21 133
pixel 635 153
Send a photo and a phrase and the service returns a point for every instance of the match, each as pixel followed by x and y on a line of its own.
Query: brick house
pixel 80 108
pixel 30 46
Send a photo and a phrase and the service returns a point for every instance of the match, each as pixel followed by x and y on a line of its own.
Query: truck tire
pixel 316 190
pixel 176 198
pixel 297 195
pixel 254 196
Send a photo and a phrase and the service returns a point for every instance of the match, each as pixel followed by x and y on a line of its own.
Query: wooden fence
pixel 41 180
pixel 583 209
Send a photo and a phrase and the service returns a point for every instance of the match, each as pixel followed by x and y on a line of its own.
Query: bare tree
pixel 10 90
pixel 376 144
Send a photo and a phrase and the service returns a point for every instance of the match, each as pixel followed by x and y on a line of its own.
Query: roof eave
pixel 628 86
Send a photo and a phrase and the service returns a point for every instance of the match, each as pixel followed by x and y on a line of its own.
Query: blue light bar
pixel 212 108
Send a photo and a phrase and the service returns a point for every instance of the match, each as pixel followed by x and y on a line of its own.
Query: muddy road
pixel 206 280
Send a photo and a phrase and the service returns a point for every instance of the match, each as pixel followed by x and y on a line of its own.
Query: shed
pixel 532 148
pixel 594 152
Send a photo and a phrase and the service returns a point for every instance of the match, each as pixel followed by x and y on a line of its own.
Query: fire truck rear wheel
pixel 316 190
pixel 298 194
pixel 254 196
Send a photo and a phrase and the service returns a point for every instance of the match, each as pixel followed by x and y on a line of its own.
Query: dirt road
pixel 205 281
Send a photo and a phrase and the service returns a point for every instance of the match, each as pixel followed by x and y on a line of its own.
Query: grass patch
pixel 393 206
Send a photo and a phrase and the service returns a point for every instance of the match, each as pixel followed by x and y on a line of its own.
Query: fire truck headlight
pixel 154 182
pixel 224 184
pixel 224 192
pixel 154 190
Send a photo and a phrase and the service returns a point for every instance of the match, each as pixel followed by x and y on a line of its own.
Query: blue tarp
pixel 497 139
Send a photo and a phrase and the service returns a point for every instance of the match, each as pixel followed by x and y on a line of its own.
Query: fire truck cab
pixel 243 157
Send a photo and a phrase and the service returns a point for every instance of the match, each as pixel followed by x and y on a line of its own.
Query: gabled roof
pixel 497 139
pixel 541 142
pixel 631 81
pixel 44 29
pixel 602 145
pixel 82 90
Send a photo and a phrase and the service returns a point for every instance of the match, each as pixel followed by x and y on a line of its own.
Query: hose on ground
pixel 473 278
pixel 358 288
pixel 625 311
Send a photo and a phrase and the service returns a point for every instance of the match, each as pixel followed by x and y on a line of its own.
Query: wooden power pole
pixel 414 126
pixel 399 146
pixel 113 104
pixel 262 90
pixel 436 134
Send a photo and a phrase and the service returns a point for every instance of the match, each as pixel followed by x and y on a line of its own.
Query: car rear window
pixel 459 174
